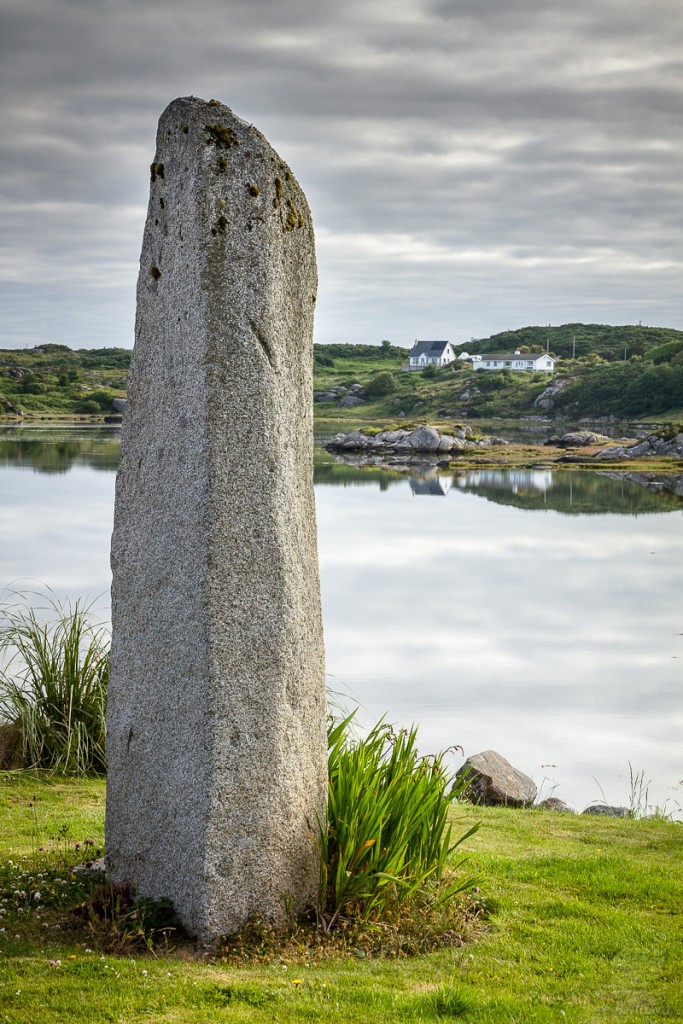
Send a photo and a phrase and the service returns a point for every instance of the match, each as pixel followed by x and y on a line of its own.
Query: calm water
pixel 538 613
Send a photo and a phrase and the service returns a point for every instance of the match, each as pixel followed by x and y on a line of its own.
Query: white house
pixel 430 353
pixel 539 361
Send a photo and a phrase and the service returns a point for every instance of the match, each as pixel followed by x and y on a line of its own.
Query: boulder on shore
pixel 493 780
pixel 577 439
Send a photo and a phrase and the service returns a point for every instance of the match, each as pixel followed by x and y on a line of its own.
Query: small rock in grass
pixel 608 811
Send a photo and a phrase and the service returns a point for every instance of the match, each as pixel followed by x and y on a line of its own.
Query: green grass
pixel 585 925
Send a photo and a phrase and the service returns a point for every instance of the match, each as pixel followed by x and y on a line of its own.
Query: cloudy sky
pixel 471 165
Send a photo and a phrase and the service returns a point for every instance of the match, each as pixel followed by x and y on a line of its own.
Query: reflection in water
pixel 571 492
pixel 554 638
pixel 431 484
pixel 58 449
pixel 518 481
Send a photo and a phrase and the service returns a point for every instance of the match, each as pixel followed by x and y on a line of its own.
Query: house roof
pixel 431 348
pixel 517 355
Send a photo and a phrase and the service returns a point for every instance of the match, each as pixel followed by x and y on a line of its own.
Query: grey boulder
pixel 608 811
pixel 493 780
pixel 553 803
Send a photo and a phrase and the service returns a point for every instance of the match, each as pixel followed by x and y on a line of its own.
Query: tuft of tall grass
pixel 53 685
pixel 388 836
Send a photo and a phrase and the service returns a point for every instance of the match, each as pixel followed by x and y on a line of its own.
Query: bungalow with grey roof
pixel 430 353
pixel 539 361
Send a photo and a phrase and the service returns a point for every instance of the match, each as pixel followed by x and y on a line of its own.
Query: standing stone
pixel 216 723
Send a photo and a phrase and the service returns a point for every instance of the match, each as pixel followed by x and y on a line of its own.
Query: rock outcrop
pixel 546 399
pixel 344 396
pixel 653 444
pixel 422 439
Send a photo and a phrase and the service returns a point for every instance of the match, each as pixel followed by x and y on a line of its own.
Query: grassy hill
pixel 630 372
pixel 57 380
pixel 582 340
pixel 627 372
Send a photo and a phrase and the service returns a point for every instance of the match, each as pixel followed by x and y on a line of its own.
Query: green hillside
pixel 57 380
pixel 629 372
pixel 583 340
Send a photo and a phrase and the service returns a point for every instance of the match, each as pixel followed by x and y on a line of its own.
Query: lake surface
pixel 538 613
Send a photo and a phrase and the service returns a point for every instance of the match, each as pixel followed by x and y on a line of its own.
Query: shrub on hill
pixel 383 383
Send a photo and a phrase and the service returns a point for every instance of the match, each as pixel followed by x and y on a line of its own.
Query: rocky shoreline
pixel 424 439
pixel 421 440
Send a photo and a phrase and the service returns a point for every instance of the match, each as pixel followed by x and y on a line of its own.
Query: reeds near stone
pixel 53 685
pixel 388 834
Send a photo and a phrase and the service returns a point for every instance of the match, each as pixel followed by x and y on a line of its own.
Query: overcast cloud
pixel 471 165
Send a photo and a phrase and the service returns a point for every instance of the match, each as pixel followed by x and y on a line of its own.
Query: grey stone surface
pixel 93 870
pixel 553 803
pixel 580 438
pixel 652 444
pixel 493 780
pixel 216 724
pixel 546 399
pixel 422 439
pixel 608 811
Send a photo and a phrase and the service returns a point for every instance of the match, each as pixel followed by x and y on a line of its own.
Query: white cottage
pixel 430 353
pixel 539 361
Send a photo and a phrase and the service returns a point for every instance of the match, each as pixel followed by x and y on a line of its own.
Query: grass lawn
pixel 584 924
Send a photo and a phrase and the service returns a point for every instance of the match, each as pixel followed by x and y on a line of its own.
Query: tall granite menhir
pixel 216 722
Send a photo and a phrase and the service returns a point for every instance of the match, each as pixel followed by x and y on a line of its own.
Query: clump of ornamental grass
pixel 53 685
pixel 388 842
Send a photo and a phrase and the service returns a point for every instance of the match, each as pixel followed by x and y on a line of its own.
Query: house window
pixel 530 363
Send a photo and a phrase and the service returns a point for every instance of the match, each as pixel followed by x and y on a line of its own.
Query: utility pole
pixel 574 347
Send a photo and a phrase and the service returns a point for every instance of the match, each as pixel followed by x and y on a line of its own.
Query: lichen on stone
pixel 221 135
